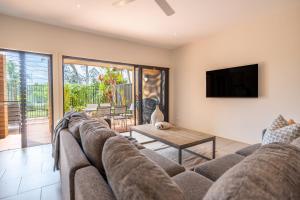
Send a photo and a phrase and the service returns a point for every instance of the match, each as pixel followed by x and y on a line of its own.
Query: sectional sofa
pixel 85 168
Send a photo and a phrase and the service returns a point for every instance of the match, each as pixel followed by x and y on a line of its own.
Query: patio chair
pixel 120 115
pixel 105 105
pixel 91 107
pixel 104 112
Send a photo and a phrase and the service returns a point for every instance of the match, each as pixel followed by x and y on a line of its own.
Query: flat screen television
pixel 233 82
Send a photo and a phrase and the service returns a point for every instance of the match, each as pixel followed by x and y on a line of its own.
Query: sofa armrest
pixel 90 185
pixel 71 158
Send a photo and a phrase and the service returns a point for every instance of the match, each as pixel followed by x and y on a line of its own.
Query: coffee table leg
pixel 214 148
pixel 130 133
pixel 179 156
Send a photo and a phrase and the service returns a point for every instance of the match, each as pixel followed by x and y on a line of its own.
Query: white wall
pixel 26 35
pixel 274 43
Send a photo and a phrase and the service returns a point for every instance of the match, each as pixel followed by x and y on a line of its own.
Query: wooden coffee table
pixel 178 138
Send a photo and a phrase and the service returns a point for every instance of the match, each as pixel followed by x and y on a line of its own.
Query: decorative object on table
pixel 281 131
pixel 157 116
pixel 163 125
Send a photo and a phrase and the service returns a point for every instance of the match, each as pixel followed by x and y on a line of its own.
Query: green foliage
pixel 37 100
pixel 108 82
pixel 13 81
pixel 76 96
pixel 37 93
pixel 67 99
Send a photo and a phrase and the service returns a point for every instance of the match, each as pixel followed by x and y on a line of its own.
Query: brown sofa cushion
pixel 93 136
pixel 74 124
pixel 194 185
pixel 71 158
pixel 213 169
pixel 171 167
pixel 90 185
pixel 271 172
pixel 133 176
pixel 248 150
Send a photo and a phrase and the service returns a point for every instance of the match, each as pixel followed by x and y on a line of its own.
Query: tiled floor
pixel 27 174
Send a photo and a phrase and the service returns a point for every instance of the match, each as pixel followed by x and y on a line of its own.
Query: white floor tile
pixel 30 195
pixel 9 187
pixel 52 192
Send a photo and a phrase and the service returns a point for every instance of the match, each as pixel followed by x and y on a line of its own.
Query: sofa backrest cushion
pixel 75 122
pixel 271 172
pixel 133 176
pixel 73 127
pixel 93 135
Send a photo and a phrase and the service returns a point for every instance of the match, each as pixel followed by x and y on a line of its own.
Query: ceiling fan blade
pixel 165 6
pixel 122 2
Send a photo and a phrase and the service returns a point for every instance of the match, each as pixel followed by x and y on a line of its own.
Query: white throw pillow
pixel 163 125
pixel 285 134
pixel 278 123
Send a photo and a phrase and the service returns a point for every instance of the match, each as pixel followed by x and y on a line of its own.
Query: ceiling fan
pixel 163 4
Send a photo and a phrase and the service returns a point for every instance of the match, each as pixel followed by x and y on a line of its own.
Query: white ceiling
pixel 142 20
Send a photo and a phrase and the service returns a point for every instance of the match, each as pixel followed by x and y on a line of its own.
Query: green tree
pixel 13 80
pixel 76 96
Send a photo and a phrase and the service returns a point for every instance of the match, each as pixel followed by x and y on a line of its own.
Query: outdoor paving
pixel 38 133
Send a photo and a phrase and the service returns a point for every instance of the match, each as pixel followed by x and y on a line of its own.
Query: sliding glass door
pixel 152 89
pixel 127 94
pixel 102 90
pixel 27 99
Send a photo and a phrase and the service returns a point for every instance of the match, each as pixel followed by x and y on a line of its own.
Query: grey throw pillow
pixel 132 176
pixel 279 122
pixel 271 172
pixel 93 135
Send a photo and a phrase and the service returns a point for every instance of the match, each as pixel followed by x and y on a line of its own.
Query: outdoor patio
pixel 38 133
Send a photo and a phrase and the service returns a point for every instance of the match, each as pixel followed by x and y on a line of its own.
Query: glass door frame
pixel 139 69
pixel 23 103
pixel 137 82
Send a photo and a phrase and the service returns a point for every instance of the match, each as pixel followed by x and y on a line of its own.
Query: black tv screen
pixel 233 82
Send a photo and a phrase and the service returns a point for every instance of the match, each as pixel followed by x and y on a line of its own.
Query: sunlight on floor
pixel 37 133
